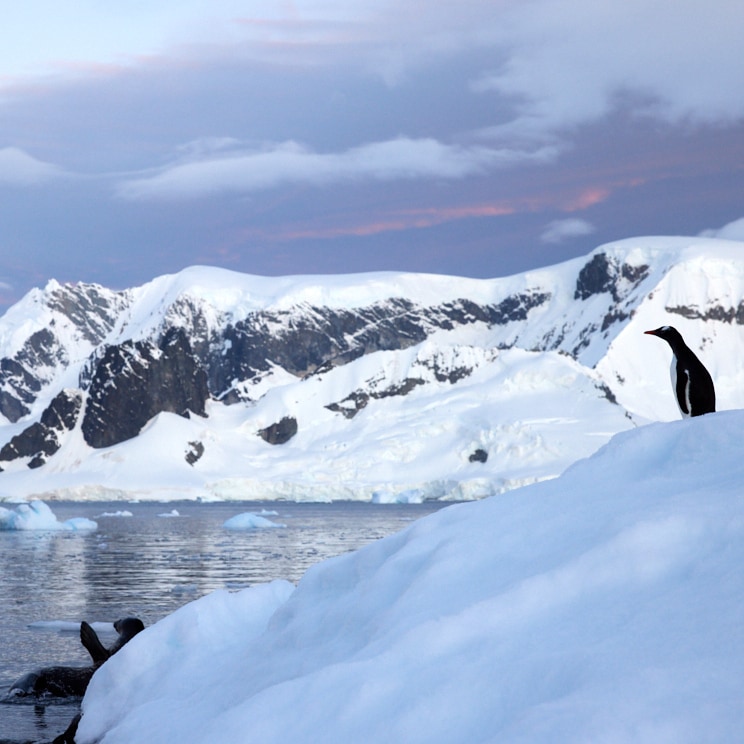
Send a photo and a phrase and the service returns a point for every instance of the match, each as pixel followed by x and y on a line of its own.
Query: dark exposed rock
pixel 358 399
pixel 195 452
pixel 37 461
pixel 19 385
pixel 135 381
pixel 62 412
pixel 92 312
pixel 301 343
pixel 451 375
pixel 615 316
pixel 312 340
pixel 402 388
pixel 478 455
pixel 280 432
pixel 594 278
pixel 585 338
pixel 717 312
pixel 42 438
pixel 351 404
pixel 21 376
pixel 93 309
pixel 600 275
pixel 607 392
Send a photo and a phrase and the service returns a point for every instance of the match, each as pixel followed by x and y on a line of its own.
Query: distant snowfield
pixel 606 605
pixel 533 413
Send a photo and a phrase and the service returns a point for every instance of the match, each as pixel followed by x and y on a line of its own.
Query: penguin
pixel 691 382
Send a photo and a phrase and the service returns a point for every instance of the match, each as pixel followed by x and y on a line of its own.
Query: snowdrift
pixel 606 605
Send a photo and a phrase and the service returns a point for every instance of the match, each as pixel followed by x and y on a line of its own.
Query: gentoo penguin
pixel 692 384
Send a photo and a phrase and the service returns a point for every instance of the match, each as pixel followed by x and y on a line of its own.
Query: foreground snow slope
pixel 604 606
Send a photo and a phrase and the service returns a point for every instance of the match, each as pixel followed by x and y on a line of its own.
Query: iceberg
pixel 250 521
pixel 36 515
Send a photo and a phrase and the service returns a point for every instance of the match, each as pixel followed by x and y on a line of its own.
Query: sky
pixel 331 136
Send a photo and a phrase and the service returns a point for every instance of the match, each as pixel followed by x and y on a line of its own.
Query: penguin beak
pixel 653 333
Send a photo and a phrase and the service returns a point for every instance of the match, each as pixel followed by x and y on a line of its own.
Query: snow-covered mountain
pixel 214 384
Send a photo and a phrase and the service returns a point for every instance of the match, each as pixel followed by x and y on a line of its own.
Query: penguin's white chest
pixel 681 387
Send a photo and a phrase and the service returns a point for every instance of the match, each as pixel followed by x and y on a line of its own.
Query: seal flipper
pixel 68 737
pixel 90 640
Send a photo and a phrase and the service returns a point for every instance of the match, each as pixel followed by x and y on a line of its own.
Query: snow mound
pixel 604 605
pixel 36 515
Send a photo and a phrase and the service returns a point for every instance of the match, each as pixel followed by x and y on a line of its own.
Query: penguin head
pixel 670 334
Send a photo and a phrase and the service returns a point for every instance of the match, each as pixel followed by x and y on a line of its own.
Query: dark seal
pixel 65 681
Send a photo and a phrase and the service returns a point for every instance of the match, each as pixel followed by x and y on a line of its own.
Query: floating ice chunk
pixel 36 515
pixel 407 496
pixel 185 589
pixel 69 626
pixel 249 521
pixel 121 513
pixel 171 513
pixel 78 524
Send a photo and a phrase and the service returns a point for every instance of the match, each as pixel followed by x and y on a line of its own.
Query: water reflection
pixel 147 566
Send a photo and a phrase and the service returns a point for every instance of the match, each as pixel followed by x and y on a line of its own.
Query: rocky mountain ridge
pixel 118 359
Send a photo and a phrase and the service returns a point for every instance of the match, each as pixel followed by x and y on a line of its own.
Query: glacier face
pixel 222 385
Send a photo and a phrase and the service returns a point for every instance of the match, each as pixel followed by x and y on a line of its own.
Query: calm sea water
pixel 148 565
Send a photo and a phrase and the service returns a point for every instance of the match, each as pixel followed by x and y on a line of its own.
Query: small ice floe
pixel 68 626
pixel 250 521
pixel 171 513
pixel 121 513
pixel 185 590
pixel 408 496
pixel 36 515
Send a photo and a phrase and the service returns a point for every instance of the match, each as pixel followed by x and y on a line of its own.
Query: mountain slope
pixel 380 385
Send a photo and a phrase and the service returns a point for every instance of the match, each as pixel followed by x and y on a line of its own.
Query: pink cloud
pixel 408 219
pixel 424 217
pixel 587 198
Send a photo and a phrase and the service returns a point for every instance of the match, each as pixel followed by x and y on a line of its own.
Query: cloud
pixel 560 230
pixel 571 62
pixel 292 163
pixel 731 231
pixel 408 219
pixel 558 63
pixel 18 168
